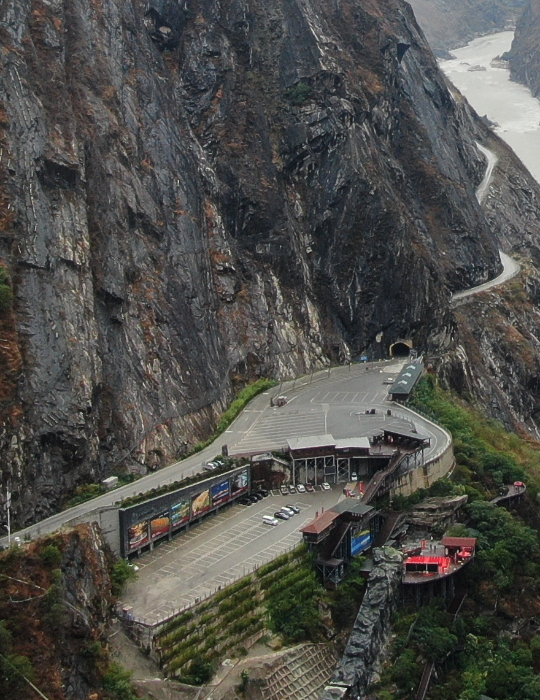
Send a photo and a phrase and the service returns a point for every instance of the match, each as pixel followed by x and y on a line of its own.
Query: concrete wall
pixel 108 520
pixel 424 476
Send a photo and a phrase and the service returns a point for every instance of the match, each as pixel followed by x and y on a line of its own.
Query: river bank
pixel 490 91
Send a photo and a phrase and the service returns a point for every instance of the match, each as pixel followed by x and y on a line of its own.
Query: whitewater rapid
pixel 492 93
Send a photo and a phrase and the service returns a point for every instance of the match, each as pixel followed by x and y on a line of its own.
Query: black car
pixel 263 492
pixel 246 501
pixel 257 496
pixel 295 509
pixel 281 516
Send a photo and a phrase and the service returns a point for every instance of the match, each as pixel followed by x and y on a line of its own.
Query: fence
pixel 143 632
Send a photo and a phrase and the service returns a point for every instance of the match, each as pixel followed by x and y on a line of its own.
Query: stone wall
pixel 353 674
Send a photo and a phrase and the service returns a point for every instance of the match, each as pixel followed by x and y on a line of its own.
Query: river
pixel 491 92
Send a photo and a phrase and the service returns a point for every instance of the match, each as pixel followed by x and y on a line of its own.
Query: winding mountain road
pixel 327 402
pixel 510 266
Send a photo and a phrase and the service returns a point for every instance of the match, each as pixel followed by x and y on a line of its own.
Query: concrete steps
pixel 302 674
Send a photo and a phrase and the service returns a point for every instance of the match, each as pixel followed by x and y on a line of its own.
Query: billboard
pixel 239 483
pixel 220 493
pixel 160 526
pixel 179 513
pixel 360 542
pixel 138 535
pixel 201 503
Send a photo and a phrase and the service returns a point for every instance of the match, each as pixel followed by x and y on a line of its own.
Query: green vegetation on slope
pixel 283 597
pixel 487 456
pixel 480 652
pixel 56 600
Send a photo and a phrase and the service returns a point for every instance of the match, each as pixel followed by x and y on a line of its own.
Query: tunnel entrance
pixel 401 348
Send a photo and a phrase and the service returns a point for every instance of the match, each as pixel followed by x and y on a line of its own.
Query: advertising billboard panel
pixel 220 493
pixel 138 535
pixel 160 526
pixel 201 503
pixel 360 542
pixel 179 513
pixel 239 483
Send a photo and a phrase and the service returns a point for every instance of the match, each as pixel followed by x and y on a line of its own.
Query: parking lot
pixel 224 548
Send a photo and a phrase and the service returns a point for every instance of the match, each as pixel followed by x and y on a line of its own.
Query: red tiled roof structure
pixel 459 541
pixel 320 524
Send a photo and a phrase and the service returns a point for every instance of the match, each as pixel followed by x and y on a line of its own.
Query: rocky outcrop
pixel 56 602
pixel 436 513
pixel 449 24
pixel 494 348
pixel 194 196
pixel 371 627
pixel 525 52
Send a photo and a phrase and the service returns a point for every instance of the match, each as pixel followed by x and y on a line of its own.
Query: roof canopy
pixel 321 523
pixel 459 541
pixel 311 442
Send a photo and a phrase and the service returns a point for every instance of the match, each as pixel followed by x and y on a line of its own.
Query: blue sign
pixel 220 493
pixel 360 542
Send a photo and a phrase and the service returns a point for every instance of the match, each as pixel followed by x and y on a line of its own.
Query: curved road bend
pixel 318 405
pixel 332 401
pixel 510 266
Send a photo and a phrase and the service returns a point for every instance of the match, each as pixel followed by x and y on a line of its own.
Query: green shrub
pixel 175 622
pixel 299 94
pixel 122 572
pixel 6 293
pixel 51 556
pixel 117 683
pixel 199 673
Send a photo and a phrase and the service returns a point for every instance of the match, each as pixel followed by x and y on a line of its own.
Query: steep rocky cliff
pixel 525 52
pixel 493 352
pixel 55 603
pixel 197 194
pixel 452 23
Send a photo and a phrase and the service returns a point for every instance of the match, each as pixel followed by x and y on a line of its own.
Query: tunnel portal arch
pixel 401 348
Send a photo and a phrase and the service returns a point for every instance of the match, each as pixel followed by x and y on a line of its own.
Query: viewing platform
pixel 434 561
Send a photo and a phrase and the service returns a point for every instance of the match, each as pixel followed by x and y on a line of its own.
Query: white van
pixel 270 520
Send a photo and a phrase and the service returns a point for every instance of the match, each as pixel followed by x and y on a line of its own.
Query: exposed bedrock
pixel 371 628
pixel 194 195
pixel 525 51
pixel 449 24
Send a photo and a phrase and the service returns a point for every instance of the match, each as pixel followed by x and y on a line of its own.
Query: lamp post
pixel 8 514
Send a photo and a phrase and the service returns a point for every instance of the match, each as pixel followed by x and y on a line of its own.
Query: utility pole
pixel 8 508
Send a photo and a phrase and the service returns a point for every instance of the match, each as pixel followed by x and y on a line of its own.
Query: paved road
pixel 510 269
pixel 331 401
pixel 491 159
pixel 510 266
pixel 221 550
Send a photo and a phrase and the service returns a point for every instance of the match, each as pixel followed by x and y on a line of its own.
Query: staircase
pixel 302 674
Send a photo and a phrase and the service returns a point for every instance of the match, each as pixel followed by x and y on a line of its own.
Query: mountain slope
pixel 196 196
pixel 452 23
pixel 525 51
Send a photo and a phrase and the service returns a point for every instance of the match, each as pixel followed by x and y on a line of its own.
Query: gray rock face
pixel 525 51
pixel 449 24
pixel 372 625
pixel 197 195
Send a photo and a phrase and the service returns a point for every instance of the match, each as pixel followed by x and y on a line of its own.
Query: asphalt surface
pixel 216 553
pixel 510 266
pixel 330 401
